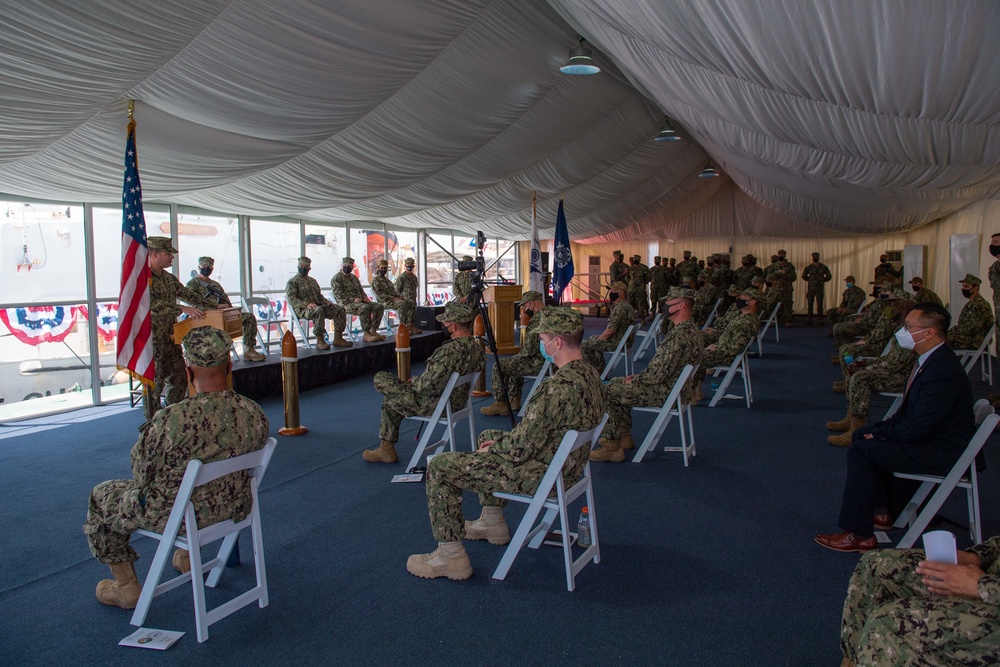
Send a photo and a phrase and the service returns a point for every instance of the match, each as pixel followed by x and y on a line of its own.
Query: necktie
pixel 909 381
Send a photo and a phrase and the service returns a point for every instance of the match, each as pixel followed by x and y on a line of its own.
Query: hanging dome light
pixel 667 132
pixel 709 171
pixel 581 62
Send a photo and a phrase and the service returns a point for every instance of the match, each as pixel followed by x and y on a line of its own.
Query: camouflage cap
pixel 467 258
pixel 206 347
pixel 815 254
pixel 781 251
pixel 456 312
pixel 618 286
pixel 687 252
pixel 618 253
pixel 409 261
pixel 756 280
pixel 161 243
pixel 656 257
pixel 750 293
pixel 637 258
pixel 347 260
pixel 559 320
pixel 916 279
pixel 681 293
pixel 849 279
pixel 900 293
pixel 733 288
pixel 206 261
pixel 532 295
pixel 970 279
pixel 382 263
pixel 305 261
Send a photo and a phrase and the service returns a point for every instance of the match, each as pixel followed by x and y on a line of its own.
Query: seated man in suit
pixel 901 609
pixel 927 434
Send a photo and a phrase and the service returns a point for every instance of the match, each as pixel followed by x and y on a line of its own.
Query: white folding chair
pixel 970 357
pixel 771 320
pixel 296 322
pixel 443 415
pixel 556 506
pixel 897 397
pixel 711 315
pixel 619 353
pixel 673 406
pixel 739 365
pixel 194 536
pixel 647 336
pixel 963 474
pixel 542 374
pixel 262 308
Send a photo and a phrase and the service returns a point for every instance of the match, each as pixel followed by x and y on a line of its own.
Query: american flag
pixel 135 328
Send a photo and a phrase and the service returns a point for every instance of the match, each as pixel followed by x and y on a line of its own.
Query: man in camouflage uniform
pixel 903 610
pixel 309 303
pixel 894 300
pixel 682 346
pixel 528 361
pixel 658 285
pixel 687 270
pixel 974 321
pixel 211 290
pixel 731 342
pixel 845 332
pixel 747 272
pixel 817 275
pixel 618 268
pixel 389 298
pixel 723 275
pixel 704 301
pixel 784 275
pixel 512 461
pixel 850 301
pixel 638 278
pixel 461 286
pixel 673 277
pixel 621 317
pixel 731 312
pixel 887 373
pixel 925 294
pixel 215 424
pixel 884 268
pixel 994 278
pixel 407 283
pixel 164 292
pixel 351 295
pixel 419 396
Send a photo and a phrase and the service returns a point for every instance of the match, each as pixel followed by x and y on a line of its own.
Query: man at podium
pixel 213 291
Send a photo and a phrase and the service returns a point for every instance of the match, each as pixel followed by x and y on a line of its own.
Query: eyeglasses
pixel 906 327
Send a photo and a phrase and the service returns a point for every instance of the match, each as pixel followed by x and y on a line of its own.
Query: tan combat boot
pixel 841 426
pixel 413 330
pixel 322 345
pixel 181 561
pixel 384 453
pixel 696 394
pixel 626 440
pixel 490 526
pixel 122 591
pixel 498 408
pixel 845 439
pixel 340 341
pixel 835 360
pixel 840 387
pixel 374 331
pixel 250 354
pixel 515 403
pixel 370 337
pixel 610 450
pixel 448 560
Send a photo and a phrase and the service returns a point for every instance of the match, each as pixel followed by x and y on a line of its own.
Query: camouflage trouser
pixel 621 398
pixel 593 350
pixel 113 514
pixel 861 385
pixel 890 618
pixel 857 350
pixel 811 295
pixel 844 333
pixel 709 359
pixel 639 301
pixel 964 342
pixel 655 293
pixel 170 373
pixel 835 316
pixel 785 314
pixel 406 309
pixel 514 368
pixel 249 331
pixel 369 314
pixel 399 400
pixel 320 314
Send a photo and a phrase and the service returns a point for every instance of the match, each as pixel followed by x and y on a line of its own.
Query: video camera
pixel 478 269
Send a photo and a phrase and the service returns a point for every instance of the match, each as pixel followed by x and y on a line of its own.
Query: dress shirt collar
pixel 923 357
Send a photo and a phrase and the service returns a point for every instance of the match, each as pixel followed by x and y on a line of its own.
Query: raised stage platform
pixel 262 379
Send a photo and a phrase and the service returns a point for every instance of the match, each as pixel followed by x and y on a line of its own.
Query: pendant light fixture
pixel 581 62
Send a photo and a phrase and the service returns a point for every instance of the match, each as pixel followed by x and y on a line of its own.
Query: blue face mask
pixel 545 355
pixel 850 285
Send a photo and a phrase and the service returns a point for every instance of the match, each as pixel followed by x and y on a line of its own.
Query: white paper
pixel 412 477
pixel 940 547
pixel 151 638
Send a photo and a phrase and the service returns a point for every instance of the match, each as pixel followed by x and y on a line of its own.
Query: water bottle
pixel 848 359
pixel 583 529
pixel 714 387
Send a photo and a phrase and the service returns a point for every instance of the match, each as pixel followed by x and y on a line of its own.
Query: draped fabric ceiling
pixel 876 116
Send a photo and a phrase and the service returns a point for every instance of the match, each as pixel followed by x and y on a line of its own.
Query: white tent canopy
pixel 873 116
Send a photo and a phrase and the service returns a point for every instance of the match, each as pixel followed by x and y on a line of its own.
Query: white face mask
pixel 905 338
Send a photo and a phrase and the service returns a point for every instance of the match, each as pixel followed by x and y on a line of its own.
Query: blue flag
pixel 563 269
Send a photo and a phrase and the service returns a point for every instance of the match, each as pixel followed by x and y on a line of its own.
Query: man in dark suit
pixel 926 435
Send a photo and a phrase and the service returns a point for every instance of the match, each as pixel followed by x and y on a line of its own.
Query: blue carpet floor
pixel 713 564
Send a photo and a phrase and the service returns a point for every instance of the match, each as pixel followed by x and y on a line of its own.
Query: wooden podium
pixel 500 300
pixel 227 319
